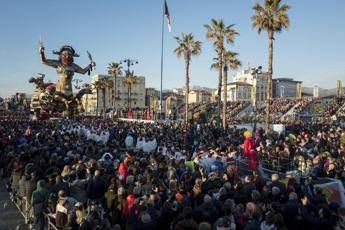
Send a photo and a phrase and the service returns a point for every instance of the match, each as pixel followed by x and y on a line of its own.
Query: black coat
pixel 96 188
pixel 281 187
pixel 290 213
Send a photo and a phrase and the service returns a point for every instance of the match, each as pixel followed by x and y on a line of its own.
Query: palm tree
pixel 96 85
pixel 187 47
pixel 218 33
pixel 272 18
pixel 129 81
pixel 230 62
pixel 103 84
pixel 115 70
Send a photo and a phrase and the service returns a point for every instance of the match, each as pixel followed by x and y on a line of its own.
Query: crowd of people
pixel 278 107
pixel 97 173
pixel 302 103
pixel 341 111
pixel 333 106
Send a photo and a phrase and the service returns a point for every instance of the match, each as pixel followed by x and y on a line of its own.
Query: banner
pixel 316 91
pixel 339 88
pixel 333 190
pixel 299 90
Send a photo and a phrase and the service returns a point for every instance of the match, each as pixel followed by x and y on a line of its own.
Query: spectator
pixel 96 188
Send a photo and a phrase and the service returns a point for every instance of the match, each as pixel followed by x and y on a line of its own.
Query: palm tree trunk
pixel 269 80
pixel 129 96
pixel 103 91
pixel 220 70
pixel 97 105
pixel 225 95
pixel 187 89
pixel 86 103
pixel 114 85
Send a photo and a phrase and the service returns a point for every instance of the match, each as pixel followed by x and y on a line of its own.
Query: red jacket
pixel 248 144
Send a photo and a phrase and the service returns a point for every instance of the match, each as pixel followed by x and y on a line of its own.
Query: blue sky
pixel 311 50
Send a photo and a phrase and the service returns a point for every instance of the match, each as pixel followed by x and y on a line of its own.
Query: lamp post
pixel 129 63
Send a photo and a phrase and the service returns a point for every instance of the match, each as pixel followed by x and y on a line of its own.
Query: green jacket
pixel 39 195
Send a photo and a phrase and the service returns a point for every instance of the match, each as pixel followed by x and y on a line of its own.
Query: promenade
pixel 10 217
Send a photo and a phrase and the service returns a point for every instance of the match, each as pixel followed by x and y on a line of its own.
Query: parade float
pixel 57 99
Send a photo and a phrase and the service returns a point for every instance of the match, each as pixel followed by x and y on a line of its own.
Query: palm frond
pixel 270 17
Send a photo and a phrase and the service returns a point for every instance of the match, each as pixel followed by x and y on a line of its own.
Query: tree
pixel 129 81
pixel 272 18
pixel 96 85
pixel 187 47
pixel 115 70
pixel 218 33
pixel 230 62
pixel 103 84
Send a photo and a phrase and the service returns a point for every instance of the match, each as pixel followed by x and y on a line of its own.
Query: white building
pixel 246 84
pixel 178 91
pixel 316 91
pixel 199 96
pixel 239 91
pixel 116 97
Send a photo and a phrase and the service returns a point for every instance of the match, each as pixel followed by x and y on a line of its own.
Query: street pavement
pixel 10 217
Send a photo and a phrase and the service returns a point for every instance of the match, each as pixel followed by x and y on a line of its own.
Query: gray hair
pixel 275 177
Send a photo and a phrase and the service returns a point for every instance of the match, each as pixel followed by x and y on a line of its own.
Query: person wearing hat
pixel 79 213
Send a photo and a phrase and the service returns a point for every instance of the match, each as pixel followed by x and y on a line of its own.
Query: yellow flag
pixel 299 90
pixel 339 88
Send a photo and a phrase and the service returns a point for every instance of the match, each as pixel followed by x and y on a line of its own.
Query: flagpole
pixel 162 52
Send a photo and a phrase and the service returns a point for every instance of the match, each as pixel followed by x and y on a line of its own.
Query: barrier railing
pixel 267 167
pixel 50 221
pixel 23 206
pixel 25 210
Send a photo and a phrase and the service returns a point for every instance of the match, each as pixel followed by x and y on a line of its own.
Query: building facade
pixel 117 96
pixel 246 84
pixel 199 96
pixel 285 87
pixel 171 104
pixel 239 91
pixel 151 95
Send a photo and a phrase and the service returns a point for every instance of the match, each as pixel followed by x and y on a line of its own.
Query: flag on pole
pixel 167 14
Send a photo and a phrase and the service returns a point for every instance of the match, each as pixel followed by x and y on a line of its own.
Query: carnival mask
pixel 66 58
